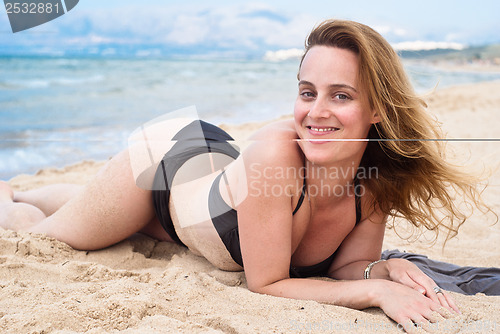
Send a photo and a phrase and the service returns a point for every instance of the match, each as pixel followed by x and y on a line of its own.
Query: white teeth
pixel 322 129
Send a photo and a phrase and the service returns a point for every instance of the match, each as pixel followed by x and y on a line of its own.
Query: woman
pixel 308 197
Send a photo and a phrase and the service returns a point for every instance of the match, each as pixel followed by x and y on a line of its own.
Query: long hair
pixel 414 179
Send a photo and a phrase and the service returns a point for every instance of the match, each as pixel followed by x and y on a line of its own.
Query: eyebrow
pixel 304 82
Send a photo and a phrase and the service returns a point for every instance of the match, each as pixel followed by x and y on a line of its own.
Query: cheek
pixel 299 107
pixel 357 120
pixel 349 118
pixel 299 112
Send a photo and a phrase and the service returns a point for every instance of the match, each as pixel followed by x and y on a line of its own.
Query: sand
pixel 144 286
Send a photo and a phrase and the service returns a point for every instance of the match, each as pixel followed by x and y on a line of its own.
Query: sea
pixel 56 111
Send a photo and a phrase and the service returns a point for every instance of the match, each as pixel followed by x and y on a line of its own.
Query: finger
pixel 433 316
pixel 418 324
pixel 443 301
pixel 420 289
pixel 451 302
pixel 434 319
pixel 408 326
pixel 421 324
pixel 425 283
pixel 431 288
pixel 428 326
pixel 424 322
pixel 444 312
pixel 410 282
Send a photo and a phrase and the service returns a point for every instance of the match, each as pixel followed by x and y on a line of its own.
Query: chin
pixel 331 152
pixel 320 153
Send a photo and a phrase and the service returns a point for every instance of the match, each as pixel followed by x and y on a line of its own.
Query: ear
pixel 375 117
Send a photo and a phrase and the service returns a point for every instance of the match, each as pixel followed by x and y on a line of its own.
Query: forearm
pixel 355 271
pixel 353 294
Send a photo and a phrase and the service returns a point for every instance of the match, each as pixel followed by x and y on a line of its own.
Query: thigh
pixel 109 209
pixel 49 198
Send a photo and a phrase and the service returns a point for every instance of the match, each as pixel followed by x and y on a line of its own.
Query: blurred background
pixel 76 87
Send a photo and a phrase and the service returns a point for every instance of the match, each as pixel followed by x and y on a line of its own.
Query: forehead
pixel 330 65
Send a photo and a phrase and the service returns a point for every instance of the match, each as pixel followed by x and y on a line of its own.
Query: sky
pixel 235 27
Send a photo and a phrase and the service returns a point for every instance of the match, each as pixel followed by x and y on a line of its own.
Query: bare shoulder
pixel 275 144
pixel 272 159
pixel 279 130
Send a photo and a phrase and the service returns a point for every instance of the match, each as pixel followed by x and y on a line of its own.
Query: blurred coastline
pixel 57 110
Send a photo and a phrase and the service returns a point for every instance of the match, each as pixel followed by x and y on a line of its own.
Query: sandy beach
pixel 144 286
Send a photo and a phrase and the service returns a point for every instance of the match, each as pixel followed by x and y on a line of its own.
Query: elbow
pixel 266 284
pixel 257 288
pixel 271 288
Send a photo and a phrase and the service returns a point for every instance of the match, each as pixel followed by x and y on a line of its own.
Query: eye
pixel 307 94
pixel 341 96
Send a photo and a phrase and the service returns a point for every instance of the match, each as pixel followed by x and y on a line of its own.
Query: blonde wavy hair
pixel 414 179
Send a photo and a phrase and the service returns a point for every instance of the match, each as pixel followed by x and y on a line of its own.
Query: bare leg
pixel 107 210
pixel 6 193
pixel 49 198
pixel 16 216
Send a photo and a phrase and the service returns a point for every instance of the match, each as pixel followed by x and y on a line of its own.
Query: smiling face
pixel 332 104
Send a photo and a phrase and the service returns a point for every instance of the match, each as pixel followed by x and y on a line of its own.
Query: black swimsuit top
pixel 226 225
pixel 321 268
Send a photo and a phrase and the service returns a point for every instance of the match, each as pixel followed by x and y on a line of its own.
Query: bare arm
pixel 265 228
pixel 266 238
pixel 352 294
pixel 363 246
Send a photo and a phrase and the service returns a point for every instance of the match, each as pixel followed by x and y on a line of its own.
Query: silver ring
pixel 437 289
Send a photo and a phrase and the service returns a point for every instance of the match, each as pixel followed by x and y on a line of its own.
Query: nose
pixel 320 109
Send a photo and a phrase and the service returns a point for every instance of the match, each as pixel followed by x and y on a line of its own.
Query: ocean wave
pixel 58 111
pixel 28 151
pixel 44 83
pixel 60 81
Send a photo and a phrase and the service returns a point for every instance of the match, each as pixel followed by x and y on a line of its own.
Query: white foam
pixel 284 54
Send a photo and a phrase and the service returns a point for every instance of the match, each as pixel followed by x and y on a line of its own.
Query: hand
pixel 404 272
pixel 408 307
